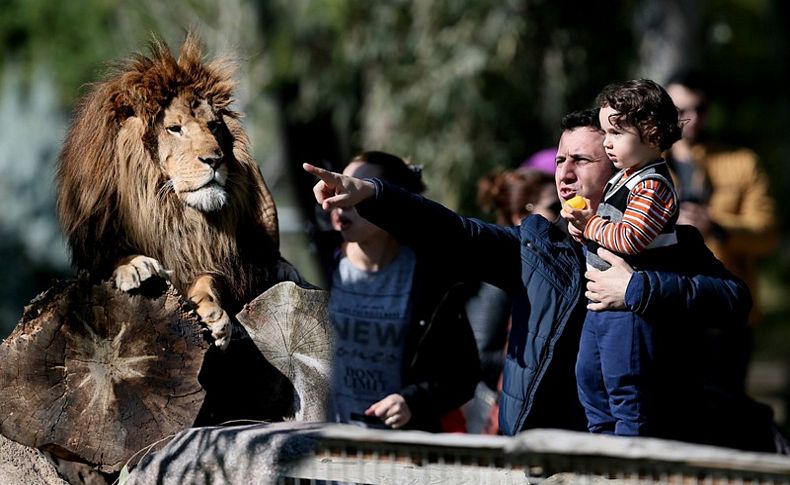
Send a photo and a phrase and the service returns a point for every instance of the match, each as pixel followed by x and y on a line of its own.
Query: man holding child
pixel 543 269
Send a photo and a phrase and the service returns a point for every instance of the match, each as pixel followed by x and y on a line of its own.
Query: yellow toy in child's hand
pixel 576 202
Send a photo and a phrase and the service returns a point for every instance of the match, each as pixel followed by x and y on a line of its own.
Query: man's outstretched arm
pixel 476 249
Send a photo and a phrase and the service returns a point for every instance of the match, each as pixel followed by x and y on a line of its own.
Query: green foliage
pixel 69 36
pixel 459 86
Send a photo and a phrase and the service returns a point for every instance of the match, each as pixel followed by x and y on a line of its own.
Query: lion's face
pixel 190 153
pixel 153 161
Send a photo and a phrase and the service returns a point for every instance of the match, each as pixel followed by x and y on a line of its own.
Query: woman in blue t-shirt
pixel 388 368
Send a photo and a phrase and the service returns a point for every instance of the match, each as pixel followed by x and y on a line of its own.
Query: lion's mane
pixel 111 202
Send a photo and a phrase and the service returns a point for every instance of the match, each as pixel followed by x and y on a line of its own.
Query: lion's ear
pixel 130 139
pixel 121 107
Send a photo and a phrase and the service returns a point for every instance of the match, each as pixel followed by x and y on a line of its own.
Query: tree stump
pixel 290 326
pixel 95 374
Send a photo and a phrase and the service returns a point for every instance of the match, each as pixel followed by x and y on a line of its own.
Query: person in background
pixel 725 194
pixel 512 195
pixel 723 191
pixel 404 354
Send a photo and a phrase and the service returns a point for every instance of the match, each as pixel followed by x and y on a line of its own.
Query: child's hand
pixel 576 234
pixel 577 217
pixel 338 190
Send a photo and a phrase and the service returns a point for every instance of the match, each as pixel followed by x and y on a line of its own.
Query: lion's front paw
pixel 131 274
pixel 218 321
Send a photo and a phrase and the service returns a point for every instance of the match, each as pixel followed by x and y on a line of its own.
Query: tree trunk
pixel 95 374
pixel 668 33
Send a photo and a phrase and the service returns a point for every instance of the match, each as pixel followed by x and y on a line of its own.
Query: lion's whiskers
pixel 164 189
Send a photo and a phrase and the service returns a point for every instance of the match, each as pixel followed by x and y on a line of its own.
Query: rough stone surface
pixel 21 464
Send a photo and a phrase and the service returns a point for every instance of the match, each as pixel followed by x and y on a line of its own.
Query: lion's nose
pixel 214 160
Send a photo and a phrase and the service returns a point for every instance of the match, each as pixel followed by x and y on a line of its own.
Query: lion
pixel 156 179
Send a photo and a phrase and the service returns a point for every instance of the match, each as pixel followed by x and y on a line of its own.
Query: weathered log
pixel 290 326
pixel 95 374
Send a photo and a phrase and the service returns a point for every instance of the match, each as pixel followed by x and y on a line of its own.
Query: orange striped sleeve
pixel 650 206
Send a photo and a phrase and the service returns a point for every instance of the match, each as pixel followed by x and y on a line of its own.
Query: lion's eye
pixel 175 129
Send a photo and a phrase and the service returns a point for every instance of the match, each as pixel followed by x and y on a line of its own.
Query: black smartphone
pixel 366 419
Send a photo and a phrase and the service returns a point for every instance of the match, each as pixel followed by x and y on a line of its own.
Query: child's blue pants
pixel 614 372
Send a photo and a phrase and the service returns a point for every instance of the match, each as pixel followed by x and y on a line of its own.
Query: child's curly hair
pixel 646 106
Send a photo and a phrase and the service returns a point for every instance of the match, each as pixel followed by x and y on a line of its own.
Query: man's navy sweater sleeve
pixel 703 288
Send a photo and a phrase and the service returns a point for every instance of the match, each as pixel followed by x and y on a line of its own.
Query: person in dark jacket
pixel 404 353
pixel 510 196
pixel 542 269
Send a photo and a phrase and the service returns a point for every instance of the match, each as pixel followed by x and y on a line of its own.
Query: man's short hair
pixel 587 118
